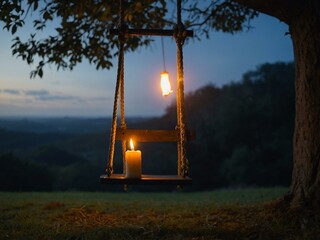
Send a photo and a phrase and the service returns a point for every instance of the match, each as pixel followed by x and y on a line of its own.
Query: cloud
pixel 102 99
pixel 36 93
pixel 57 97
pixel 45 95
pixel 11 91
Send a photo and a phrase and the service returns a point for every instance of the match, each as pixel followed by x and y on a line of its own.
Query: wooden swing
pixel 179 134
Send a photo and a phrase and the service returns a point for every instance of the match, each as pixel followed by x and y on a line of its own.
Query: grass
pixel 225 214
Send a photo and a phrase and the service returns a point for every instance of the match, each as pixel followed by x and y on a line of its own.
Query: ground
pixel 225 214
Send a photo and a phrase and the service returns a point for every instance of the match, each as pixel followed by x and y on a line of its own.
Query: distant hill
pixel 17 140
pixel 63 125
pixel 75 125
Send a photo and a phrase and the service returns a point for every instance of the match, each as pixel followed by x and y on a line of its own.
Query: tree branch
pixel 281 9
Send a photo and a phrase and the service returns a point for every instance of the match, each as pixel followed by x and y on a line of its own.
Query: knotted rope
pixel 119 88
pixel 180 36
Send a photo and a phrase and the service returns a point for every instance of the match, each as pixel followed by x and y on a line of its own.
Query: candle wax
pixel 133 164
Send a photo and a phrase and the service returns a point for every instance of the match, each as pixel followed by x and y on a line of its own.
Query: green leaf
pixel 47 16
pixel 35 5
pixel 14 29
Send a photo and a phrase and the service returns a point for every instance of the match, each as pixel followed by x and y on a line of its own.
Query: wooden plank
pixel 149 32
pixel 146 180
pixel 140 135
pixel 147 135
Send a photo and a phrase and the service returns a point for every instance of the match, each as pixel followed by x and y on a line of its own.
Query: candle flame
pixel 131 144
pixel 165 84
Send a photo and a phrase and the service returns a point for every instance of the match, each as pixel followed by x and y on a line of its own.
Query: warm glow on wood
pixel 165 84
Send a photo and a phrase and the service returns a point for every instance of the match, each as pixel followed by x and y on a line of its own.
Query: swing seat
pixel 142 135
pixel 139 135
pixel 146 180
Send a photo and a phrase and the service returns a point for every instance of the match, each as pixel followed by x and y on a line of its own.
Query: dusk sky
pixel 87 92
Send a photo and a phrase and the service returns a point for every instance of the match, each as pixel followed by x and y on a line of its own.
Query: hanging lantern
pixel 165 84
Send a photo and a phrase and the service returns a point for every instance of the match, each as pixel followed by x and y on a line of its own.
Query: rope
pixel 123 123
pixel 122 40
pixel 119 86
pixel 180 36
pixel 181 114
pixel 182 128
pixel 163 55
pixel 179 22
pixel 115 110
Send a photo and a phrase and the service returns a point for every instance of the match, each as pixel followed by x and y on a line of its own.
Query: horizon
pixel 39 117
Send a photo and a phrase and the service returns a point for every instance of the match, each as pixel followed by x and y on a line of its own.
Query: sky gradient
pixel 87 92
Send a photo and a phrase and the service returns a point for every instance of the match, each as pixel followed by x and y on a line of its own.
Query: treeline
pixel 243 130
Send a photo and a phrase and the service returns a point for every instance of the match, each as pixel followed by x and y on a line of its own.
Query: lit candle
pixel 165 84
pixel 133 162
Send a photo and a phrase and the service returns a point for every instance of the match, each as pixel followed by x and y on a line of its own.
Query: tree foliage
pixel 64 33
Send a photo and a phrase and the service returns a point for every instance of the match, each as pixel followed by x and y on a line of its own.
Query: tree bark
pixel 305 32
pixel 303 18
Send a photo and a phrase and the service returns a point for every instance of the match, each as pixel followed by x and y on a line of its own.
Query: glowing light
pixel 131 144
pixel 133 162
pixel 165 84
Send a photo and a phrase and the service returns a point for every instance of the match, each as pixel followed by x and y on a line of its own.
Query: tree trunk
pixel 305 32
pixel 303 18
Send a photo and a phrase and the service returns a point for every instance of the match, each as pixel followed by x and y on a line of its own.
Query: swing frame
pixel 179 134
